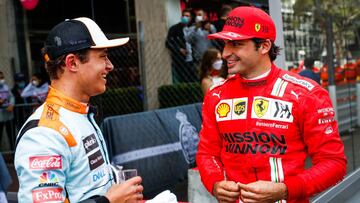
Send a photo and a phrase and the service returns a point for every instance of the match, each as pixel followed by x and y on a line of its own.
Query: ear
pixel 71 62
pixel 265 46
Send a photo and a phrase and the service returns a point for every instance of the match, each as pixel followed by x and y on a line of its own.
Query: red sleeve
pixel 326 150
pixel 209 149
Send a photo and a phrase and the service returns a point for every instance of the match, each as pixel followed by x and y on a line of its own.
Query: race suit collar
pixel 261 81
pixel 57 97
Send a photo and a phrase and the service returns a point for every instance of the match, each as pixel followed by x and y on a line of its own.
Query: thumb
pixel 244 186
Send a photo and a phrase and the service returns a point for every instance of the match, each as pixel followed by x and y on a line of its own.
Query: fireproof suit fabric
pixel 61 153
pixel 263 130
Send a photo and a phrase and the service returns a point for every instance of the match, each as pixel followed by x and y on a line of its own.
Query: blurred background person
pixel 308 71
pixel 198 37
pixel 223 14
pixel 37 89
pixel 180 49
pixel 211 69
pixel 7 102
pixel 20 110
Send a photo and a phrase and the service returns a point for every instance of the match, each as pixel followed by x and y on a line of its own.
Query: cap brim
pixel 226 35
pixel 111 43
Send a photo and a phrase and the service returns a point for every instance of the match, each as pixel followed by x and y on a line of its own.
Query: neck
pixel 70 90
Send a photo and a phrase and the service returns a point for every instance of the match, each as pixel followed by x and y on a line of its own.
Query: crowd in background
pixel 18 102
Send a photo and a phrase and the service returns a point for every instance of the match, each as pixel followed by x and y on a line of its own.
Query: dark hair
pixel 224 11
pixel 209 57
pixel 54 67
pixel 192 14
pixel 309 62
pixel 274 50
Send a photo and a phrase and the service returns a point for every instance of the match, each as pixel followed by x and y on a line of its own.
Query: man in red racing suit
pixel 260 131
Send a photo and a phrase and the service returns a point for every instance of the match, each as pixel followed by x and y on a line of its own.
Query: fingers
pixel 134 181
pixel 244 187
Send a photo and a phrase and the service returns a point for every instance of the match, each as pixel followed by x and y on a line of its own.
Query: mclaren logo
pixel 261 106
pixel 257 27
pixel 240 107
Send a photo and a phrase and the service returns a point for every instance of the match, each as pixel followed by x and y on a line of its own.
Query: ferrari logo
pixel 261 107
pixel 257 27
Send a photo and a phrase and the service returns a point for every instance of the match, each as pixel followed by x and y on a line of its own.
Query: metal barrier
pixel 346 107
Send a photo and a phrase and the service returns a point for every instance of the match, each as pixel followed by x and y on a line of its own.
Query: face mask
pixel 2 81
pixel 198 19
pixel 35 83
pixel 217 64
pixel 185 20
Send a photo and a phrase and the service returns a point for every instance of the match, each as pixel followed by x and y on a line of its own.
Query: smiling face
pixel 92 74
pixel 244 58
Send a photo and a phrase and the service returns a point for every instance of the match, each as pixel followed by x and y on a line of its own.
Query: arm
pixel 42 159
pixel 209 148
pixel 28 91
pixel 321 136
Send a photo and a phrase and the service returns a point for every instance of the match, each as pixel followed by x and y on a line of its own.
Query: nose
pixel 227 51
pixel 109 66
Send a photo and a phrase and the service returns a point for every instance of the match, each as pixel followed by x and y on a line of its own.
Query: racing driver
pixel 260 124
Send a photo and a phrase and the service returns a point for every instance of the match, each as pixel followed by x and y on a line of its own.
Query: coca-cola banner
pixel 45 162
pixel 29 4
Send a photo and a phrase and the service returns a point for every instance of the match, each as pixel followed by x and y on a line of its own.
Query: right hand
pixel 126 192
pixel 226 191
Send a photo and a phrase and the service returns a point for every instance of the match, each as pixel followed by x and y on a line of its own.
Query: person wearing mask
pixel 37 89
pixel 257 131
pixel 308 71
pixel 198 37
pixel 211 69
pixel 7 102
pixel 61 154
pixel 180 49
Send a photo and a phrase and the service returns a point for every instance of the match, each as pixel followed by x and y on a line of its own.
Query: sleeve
pixel 326 150
pixel 28 91
pixel 209 149
pixel 42 160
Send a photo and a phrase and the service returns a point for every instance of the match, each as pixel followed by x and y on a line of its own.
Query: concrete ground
pixel 352 150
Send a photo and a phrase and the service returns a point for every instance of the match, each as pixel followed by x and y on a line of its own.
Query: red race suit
pixel 264 129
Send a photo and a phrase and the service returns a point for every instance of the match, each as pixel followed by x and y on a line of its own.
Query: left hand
pixel 10 108
pixel 262 192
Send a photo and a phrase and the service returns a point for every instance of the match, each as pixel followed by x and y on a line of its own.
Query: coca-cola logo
pixel 45 162
pixel 47 195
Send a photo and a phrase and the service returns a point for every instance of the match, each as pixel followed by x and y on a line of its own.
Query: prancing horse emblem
pixel 261 106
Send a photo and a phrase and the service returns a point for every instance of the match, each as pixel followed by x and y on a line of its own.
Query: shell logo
pixel 223 110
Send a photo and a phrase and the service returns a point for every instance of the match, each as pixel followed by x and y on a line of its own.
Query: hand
pixel 226 191
pixel 262 191
pixel 183 51
pixel 10 108
pixel 2 101
pixel 126 192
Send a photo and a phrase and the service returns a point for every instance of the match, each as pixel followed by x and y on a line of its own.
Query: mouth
pixel 231 62
pixel 104 76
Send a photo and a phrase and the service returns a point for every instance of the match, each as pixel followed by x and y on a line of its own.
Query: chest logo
pixel 261 106
pixel 223 110
pixel 240 107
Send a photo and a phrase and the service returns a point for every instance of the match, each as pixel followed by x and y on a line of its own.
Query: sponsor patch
pixel 90 143
pixel 47 195
pixel 272 109
pixel 235 21
pixel 95 160
pixel 329 111
pixel 279 88
pixel 99 175
pixel 48 178
pixel 45 162
pixel 300 82
pixel 231 109
pixel 326 120
pixel 261 106
pixel 329 130
pixel 272 125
